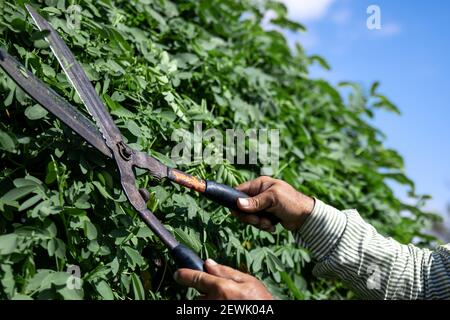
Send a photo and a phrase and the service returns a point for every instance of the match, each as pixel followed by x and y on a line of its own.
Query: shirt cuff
pixel 322 230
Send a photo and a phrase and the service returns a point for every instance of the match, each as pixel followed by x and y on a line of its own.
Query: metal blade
pixel 80 82
pixel 53 102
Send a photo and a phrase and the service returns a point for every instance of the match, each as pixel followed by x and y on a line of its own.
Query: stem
pixel 61 202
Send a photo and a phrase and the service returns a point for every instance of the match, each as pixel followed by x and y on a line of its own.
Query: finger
pixel 235 213
pixel 254 220
pixel 247 218
pixel 250 219
pixel 223 271
pixel 266 225
pixel 257 203
pixel 258 222
pixel 256 186
pixel 199 280
pixel 244 186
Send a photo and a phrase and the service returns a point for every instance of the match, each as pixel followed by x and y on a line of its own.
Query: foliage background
pixel 160 65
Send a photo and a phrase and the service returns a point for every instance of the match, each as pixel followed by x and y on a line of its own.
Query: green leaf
pixel 8 243
pixel 6 142
pixel 102 190
pixel 374 88
pixel 133 256
pixel 51 247
pixel 321 61
pixel 19 296
pixel 52 10
pixel 188 239
pixel 55 278
pixel 138 288
pixel 104 290
pixel 115 266
pixel 90 230
pixel 52 172
pixel 60 249
pixel 30 202
pixel 134 128
pixel 7 280
pixel 17 193
pixel 39 35
pixel 27 181
pixel 18 24
pixel 35 112
pixel 185 59
pixel 273 263
pixel 35 283
pixel 48 71
pixel 258 256
pixel 71 294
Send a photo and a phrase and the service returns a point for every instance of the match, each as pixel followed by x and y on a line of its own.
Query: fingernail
pixel 176 276
pixel 244 202
pixel 211 262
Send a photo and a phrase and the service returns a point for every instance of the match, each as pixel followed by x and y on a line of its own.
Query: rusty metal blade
pixel 80 82
pixel 53 102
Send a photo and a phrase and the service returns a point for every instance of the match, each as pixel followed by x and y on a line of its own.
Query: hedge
pixel 160 66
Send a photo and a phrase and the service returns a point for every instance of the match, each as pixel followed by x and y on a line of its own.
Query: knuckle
pixel 282 185
pixel 275 190
pixel 272 196
pixel 225 289
pixel 265 180
pixel 197 278
pixel 256 202
pixel 219 270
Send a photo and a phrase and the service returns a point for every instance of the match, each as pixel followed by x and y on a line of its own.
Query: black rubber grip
pixel 186 258
pixel 228 196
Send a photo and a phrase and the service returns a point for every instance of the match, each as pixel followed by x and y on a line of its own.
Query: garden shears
pixel 106 137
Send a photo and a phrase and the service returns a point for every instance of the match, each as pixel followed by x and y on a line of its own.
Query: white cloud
pixel 307 10
pixel 342 16
pixel 389 29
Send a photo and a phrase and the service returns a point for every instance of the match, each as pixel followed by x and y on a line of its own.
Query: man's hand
pixel 223 283
pixel 274 196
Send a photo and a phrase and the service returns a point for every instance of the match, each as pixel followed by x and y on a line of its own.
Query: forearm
pixel 373 266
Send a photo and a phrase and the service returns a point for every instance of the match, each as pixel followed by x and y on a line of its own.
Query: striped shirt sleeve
pixel 373 266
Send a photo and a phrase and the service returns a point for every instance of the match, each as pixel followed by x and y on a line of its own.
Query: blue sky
pixel 410 56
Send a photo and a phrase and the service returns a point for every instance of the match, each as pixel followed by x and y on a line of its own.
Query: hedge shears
pixel 106 137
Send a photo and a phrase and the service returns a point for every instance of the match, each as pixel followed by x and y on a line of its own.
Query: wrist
pixel 306 208
pixel 322 230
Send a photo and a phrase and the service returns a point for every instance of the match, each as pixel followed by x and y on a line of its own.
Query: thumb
pixel 258 203
pixel 222 271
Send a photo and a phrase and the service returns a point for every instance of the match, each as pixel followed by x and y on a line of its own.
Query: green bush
pixel 160 65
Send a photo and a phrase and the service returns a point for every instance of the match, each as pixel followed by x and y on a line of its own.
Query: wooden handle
pixel 186 180
pixel 219 193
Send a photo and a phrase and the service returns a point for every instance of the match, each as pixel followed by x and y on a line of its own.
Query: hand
pixel 274 196
pixel 223 283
